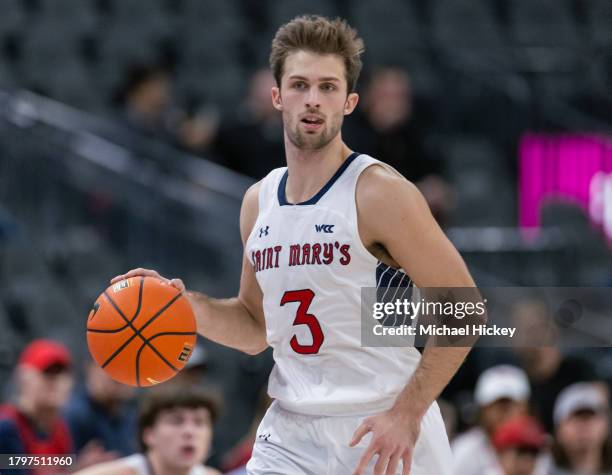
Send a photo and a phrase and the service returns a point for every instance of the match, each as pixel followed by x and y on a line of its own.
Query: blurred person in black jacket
pixel 252 143
pixel 102 413
pixel 548 369
pixel 146 100
pixel 386 128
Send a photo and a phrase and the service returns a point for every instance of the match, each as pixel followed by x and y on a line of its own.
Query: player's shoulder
pixel 379 182
pixel 251 194
pixel 116 467
pixel 250 202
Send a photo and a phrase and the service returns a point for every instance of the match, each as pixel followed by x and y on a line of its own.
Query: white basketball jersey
pixel 311 266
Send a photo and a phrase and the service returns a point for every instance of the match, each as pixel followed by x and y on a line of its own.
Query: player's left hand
pixel 393 438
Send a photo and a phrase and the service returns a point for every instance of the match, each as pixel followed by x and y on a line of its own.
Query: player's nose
pixel 313 98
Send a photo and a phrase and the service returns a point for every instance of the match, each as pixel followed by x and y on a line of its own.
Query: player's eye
pixel 175 418
pixel 328 87
pixel 299 85
pixel 200 421
pixel 178 420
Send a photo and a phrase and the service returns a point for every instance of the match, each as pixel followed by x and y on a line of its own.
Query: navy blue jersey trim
pixel 282 197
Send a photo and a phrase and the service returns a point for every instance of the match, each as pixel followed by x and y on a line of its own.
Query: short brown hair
pixel 319 35
pixel 172 396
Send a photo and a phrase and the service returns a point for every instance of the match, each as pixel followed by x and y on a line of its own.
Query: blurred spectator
pixel 198 129
pixel 34 424
pixel 582 431
pixel 100 414
pixel 519 442
pixel 174 431
pixel 502 393
pixel 548 370
pixel 384 126
pixel 146 99
pixel 252 143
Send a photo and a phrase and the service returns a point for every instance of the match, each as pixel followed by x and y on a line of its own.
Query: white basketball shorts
pixel 288 443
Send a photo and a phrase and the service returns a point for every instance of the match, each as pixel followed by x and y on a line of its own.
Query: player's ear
pixel 277 101
pixel 351 102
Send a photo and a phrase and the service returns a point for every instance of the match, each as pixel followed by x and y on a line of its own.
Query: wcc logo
pixel 263 231
pixel 324 228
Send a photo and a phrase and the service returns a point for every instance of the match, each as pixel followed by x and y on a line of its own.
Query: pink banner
pixel 565 168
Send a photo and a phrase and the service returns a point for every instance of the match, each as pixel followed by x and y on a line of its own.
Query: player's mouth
pixel 312 122
pixel 187 450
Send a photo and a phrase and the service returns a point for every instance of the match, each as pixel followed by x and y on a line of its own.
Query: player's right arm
pixel 236 322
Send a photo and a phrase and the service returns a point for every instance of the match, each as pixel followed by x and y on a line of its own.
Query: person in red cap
pixel 519 442
pixel 32 424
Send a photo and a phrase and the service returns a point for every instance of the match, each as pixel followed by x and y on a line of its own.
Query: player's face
pixel 313 98
pixel 180 437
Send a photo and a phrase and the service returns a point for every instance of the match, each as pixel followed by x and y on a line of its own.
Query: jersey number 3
pixel 304 298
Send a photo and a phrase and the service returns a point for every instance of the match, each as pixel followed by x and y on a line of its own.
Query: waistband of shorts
pixel 343 410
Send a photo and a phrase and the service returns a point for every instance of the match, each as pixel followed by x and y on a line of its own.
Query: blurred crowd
pixel 250 140
pixel 545 414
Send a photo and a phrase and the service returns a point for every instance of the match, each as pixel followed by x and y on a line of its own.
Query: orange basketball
pixel 141 331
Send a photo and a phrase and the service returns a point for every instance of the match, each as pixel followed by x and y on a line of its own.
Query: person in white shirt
pixel 175 432
pixel 582 431
pixel 502 392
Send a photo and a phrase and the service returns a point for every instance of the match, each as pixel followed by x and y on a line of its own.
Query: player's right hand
pixel 140 272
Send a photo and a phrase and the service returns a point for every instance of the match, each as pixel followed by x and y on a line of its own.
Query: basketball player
pixel 175 431
pixel 316 232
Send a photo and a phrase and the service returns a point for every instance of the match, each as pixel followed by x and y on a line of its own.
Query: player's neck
pixel 309 170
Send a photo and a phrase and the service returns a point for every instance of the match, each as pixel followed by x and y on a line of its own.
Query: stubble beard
pixel 303 141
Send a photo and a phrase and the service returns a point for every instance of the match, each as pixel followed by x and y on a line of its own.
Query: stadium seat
pixel 282 12
pixel 543 23
pixel 148 15
pixel 76 85
pixel 599 22
pixel 465 23
pixel 115 54
pixel 47 48
pixel 7 76
pixel 70 14
pixel 477 169
pixel 206 13
pixel 220 85
pixel 391 25
pixel 11 17
pixel 469 36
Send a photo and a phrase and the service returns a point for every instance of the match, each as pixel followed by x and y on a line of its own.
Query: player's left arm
pixel 394 216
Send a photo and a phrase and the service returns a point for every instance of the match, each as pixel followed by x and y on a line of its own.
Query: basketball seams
pixel 99 330
pixel 118 310
pixel 128 322
pixel 138 332
pixel 147 342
